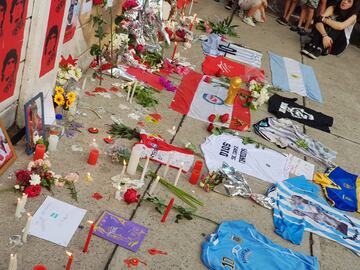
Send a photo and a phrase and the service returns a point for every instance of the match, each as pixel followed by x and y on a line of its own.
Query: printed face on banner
pixel 71 20
pixel 12 21
pixel 51 42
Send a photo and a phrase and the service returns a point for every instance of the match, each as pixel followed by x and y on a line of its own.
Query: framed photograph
pixel 34 121
pixel 7 151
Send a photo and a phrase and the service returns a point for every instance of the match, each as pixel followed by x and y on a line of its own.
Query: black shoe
pixel 282 21
pixel 307 49
pixel 229 5
pixel 315 52
pixel 325 52
pixel 295 28
pixel 303 32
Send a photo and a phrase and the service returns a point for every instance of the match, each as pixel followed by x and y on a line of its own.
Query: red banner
pixel 12 22
pixel 71 20
pixel 56 15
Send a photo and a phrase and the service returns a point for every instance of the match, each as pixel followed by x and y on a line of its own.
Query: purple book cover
pixel 120 231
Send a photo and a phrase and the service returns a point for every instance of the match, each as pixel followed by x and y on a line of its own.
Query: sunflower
pixel 59 99
pixel 68 103
pixel 59 90
pixel 71 96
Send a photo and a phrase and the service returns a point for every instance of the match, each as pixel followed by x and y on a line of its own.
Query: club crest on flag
pixel 213 99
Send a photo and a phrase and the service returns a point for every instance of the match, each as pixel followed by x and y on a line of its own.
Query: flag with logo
pixel 292 76
pixel 197 97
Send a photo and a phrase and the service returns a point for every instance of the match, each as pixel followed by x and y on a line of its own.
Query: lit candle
pixel 134 159
pixel 173 130
pixel 123 170
pixel 174 51
pixel 93 157
pixel 179 173
pixel 23 202
pixel 192 22
pixel 93 130
pixel 133 91
pixel 70 260
pixel 13 262
pixel 129 92
pixel 39 151
pixel 167 211
pixel 153 186
pixel 109 140
pixel 94 144
pixel 86 247
pixel 89 177
pixel 84 83
pixel 191 5
pixel 145 168
pixel 18 208
pixel 53 142
pixel 168 165
pixel 27 228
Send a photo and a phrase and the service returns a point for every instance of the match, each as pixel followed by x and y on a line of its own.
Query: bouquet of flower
pixel 259 94
pixel 63 98
pixel 223 27
pixel 68 70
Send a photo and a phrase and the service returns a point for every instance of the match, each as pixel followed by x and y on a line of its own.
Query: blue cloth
pixel 238 245
pixel 284 78
pixel 297 207
pixel 341 188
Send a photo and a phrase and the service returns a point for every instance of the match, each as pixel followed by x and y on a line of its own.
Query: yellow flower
pixel 59 90
pixel 71 96
pixel 59 99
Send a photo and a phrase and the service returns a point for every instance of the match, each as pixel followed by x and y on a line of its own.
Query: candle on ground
pixel 109 140
pixel 70 260
pixel 18 208
pixel 86 247
pixel 13 262
pixel 191 5
pixel 179 173
pixel 94 144
pixel 196 172
pixel 123 170
pixel 145 168
pixel 167 165
pixel 172 131
pixel 129 92
pixel 167 211
pixel 23 202
pixel 39 151
pixel 27 228
pixel 93 157
pixel 153 186
pixel 174 51
pixel 84 84
pixel 88 177
pixel 53 142
pixel 134 159
pixel 39 267
pixel 133 92
pixel 93 130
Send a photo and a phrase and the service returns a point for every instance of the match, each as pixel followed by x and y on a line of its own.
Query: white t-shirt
pixel 265 164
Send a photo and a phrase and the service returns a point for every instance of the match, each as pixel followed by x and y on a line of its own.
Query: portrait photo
pixel 7 152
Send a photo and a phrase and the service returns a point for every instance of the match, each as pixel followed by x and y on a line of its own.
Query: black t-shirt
pixel 287 108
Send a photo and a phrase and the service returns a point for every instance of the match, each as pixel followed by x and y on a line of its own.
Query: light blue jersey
pixel 297 207
pixel 237 245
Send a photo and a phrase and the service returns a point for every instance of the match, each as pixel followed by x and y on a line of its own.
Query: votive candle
pixel 39 151
pixel 86 247
pixel 27 228
pixel 70 260
pixel 179 173
pixel 153 186
pixel 93 156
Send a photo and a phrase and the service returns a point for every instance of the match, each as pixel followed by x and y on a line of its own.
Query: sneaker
pixel 307 49
pixel 295 28
pixel 303 32
pixel 248 21
pixel 315 52
pixel 229 5
pixel 282 21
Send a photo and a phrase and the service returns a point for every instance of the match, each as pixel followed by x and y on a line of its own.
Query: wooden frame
pixel 7 150
pixel 34 121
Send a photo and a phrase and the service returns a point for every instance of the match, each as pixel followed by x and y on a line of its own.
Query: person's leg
pixel 303 15
pixel 252 10
pixel 287 7
pixel 339 42
pixel 309 18
pixel 291 10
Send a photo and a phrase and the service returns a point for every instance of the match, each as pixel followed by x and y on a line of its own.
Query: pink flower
pixel 72 177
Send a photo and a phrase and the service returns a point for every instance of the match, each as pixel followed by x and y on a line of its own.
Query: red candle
pixel 89 237
pixel 93 130
pixel 39 151
pixel 70 260
pixel 167 211
pixel 191 26
pixel 196 172
pixel 173 54
pixel 93 156
pixel 109 140
pixel 39 267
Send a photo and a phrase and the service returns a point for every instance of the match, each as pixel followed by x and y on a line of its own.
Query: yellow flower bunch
pixel 59 90
pixel 59 99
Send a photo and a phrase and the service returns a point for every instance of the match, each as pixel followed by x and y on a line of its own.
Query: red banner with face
pixel 56 15
pixel 12 22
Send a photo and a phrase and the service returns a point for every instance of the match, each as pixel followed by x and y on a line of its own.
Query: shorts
pixel 310 3
pixel 247 4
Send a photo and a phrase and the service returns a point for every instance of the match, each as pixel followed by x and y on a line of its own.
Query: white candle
pixel 94 144
pixel 53 142
pixel 133 92
pixel 27 228
pixel 117 193
pixel 178 174
pixel 89 177
pixel 23 202
pixel 168 165
pixel 145 168
pixel 123 170
pixel 18 208
pixel 84 84
pixel 129 92
pixel 134 159
pixel 13 262
pixel 153 186
pixel 191 5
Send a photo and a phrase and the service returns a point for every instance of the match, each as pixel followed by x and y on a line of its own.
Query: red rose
pixel 210 127
pixel 130 47
pixel 207 79
pixel 212 117
pixel 33 191
pixel 224 118
pixel 130 4
pixel 180 33
pixel 98 2
pixel 140 48
pixel 22 177
pixel 131 196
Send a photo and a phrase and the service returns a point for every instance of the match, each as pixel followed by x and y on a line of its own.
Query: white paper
pixel 56 221
pixel 49 111
pixel 109 3
pixel 86 6
pixel 299 167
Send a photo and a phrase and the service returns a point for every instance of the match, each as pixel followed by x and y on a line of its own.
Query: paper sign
pixel 120 231
pixel 56 221
pixel 86 6
pixel 49 111
pixel 109 3
pixel 299 167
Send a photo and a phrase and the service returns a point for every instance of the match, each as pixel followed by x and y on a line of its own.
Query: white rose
pixel 35 179
pixel 17 187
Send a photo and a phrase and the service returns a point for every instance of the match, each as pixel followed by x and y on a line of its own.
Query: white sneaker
pixel 248 21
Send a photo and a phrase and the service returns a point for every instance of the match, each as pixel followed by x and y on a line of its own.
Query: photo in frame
pixel 34 121
pixel 7 151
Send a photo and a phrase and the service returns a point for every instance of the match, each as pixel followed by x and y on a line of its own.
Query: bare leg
pixel 309 17
pixel 291 9
pixel 303 15
pixel 252 11
pixel 321 8
pixel 287 6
